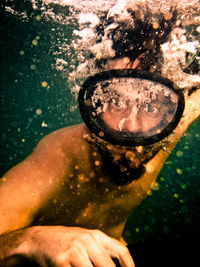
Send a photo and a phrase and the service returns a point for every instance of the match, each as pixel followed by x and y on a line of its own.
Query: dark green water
pixel 35 101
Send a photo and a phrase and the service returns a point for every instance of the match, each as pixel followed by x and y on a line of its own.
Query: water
pixel 171 210
pixel 46 55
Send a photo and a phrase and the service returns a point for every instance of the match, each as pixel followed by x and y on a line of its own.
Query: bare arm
pixel 28 185
pixel 33 182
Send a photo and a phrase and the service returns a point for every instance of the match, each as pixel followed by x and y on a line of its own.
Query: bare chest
pixel 90 201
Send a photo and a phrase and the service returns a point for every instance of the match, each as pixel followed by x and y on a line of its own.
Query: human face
pixel 135 107
pixel 131 118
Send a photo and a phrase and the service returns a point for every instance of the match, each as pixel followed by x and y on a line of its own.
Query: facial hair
pixel 121 170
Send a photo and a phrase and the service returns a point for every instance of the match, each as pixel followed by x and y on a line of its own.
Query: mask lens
pixel 134 105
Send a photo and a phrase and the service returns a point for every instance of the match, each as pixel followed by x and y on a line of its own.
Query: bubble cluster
pixel 92 35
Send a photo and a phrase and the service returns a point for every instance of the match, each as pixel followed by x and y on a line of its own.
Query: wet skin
pixel 65 182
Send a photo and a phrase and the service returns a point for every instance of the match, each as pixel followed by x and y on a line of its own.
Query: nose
pixel 133 122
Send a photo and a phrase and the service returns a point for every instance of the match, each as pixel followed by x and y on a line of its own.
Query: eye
pixel 150 109
pixel 118 105
pixel 115 106
pixel 115 103
pixel 153 109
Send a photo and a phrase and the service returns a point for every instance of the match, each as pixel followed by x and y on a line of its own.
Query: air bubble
pixel 44 124
pixel 38 17
pixel 150 167
pixel 76 167
pixel 198 29
pixel 101 134
pixel 156 186
pixel 102 180
pixel 179 171
pixel 176 195
pixel 97 163
pixel 33 67
pixel 94 153
pixel 126 60
pixel 179 154
pixel 38 111
pixel 139 149
pixel 81 177
pixel 35 42
pixel 129 155
pixel 167 16
pixel 155 25
pixel 183 186
pixel 149 193
pixel 44 84
pixel 21 52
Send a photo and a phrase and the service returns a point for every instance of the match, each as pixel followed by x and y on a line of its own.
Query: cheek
pixel 149 122
pixel 112 119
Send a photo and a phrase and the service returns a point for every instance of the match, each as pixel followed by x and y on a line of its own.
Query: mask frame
pixel 97 126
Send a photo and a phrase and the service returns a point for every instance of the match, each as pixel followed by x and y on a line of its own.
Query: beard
pixel 122 170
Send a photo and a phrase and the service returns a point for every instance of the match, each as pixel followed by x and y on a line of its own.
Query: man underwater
pixel 72 196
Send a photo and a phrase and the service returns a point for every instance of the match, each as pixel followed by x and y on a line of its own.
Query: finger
pixel 115 249
pixel 76 257
pixel 95 251
pixel 99 256
pixel 125 258
pixel 82 260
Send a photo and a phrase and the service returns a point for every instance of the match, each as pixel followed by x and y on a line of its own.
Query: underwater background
pixel 35 100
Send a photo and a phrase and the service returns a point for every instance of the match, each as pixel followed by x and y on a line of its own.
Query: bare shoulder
pixel 64 138
pixel 38 177
pixel 77 130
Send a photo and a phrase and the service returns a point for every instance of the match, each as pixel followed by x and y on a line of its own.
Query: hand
pixel 76 247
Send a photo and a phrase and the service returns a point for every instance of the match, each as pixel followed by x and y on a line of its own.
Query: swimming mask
pixel 130 107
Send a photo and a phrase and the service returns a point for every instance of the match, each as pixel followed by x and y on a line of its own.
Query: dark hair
pixel 139 37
